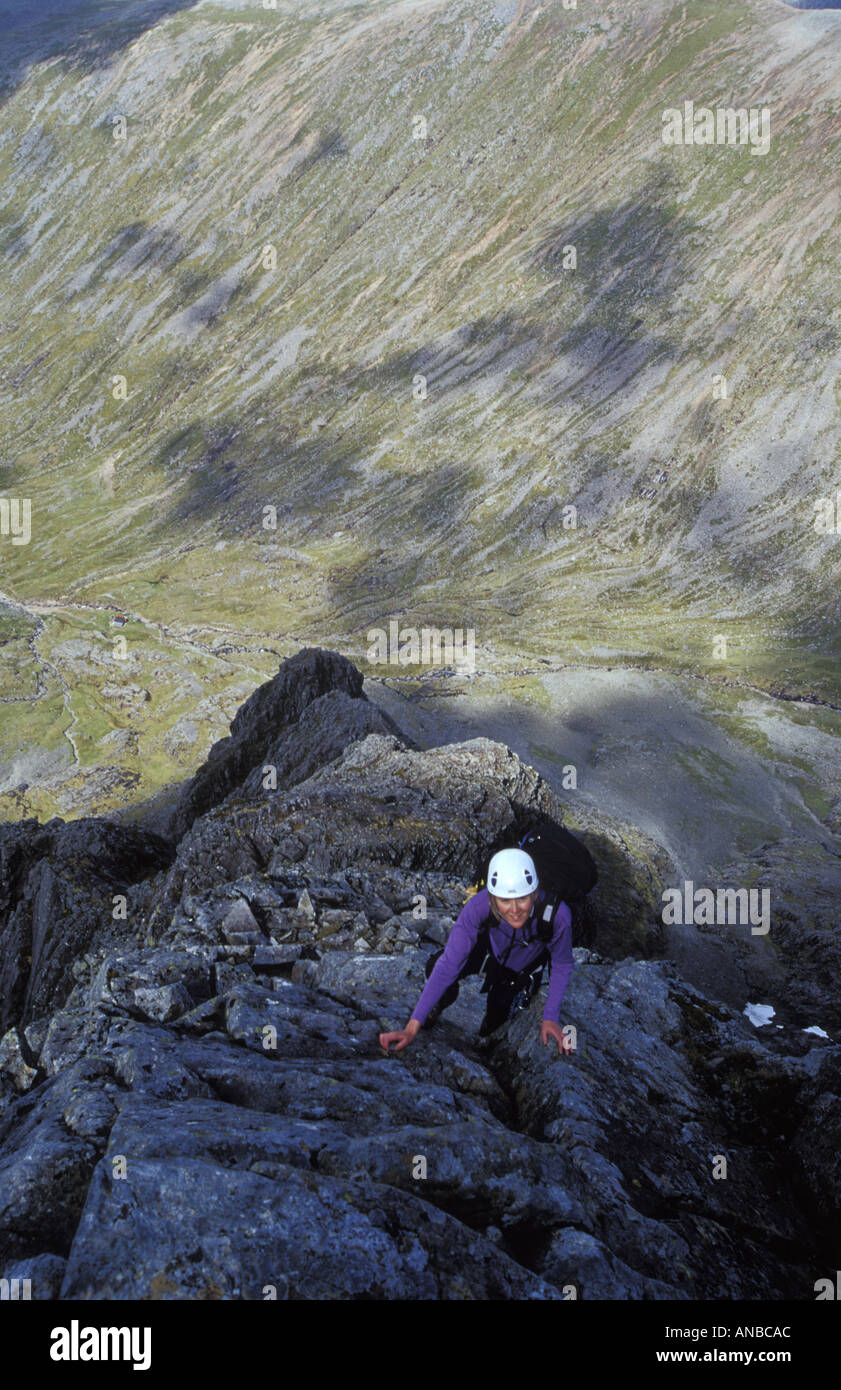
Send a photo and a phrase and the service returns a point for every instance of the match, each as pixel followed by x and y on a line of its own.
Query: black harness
pixel 497 969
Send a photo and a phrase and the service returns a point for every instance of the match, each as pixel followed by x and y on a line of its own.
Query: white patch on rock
pixel 759 1014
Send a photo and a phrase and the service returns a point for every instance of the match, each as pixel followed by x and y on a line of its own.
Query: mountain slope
pixel 270 260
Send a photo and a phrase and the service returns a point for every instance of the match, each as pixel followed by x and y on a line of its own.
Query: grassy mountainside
pixel 230 308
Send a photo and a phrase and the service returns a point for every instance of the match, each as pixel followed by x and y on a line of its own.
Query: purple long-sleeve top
pixel 524 951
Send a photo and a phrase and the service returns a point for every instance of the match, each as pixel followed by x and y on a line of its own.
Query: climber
pixel 499 931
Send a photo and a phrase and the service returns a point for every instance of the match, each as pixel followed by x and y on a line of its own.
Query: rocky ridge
pixel 194 1105
pixel 616 459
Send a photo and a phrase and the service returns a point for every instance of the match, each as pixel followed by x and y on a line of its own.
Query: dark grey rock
pixel 13 1064
pixel 67 874
pixel 259 733
pixel 321 733
pixel 45 1164
pixel 277 955
pixel 207 1112
pixel 297 1233
pixel 43 1272
pixel 156 983
pixel 379 807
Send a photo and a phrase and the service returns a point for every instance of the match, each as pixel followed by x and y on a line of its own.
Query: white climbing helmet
pixel 511 874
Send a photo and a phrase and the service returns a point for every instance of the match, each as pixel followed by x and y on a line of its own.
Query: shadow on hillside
pixel 631 259
pixel 590 335
pixel 314 486
pixel 611 318
pixel 330 146
pixel 87 35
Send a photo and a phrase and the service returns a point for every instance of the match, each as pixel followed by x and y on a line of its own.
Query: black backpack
pixel 566 870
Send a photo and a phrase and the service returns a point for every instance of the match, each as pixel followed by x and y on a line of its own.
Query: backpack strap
pixel 547 916
pixel 484 929
pixel 483 935
pixel 545 926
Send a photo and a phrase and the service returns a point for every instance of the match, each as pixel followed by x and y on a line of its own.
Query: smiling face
pixel 515 911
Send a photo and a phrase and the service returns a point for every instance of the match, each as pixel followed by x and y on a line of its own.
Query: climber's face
pixel 515 911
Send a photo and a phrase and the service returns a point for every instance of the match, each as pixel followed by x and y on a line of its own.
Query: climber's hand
pixel 402 1038
pixel 548 1030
